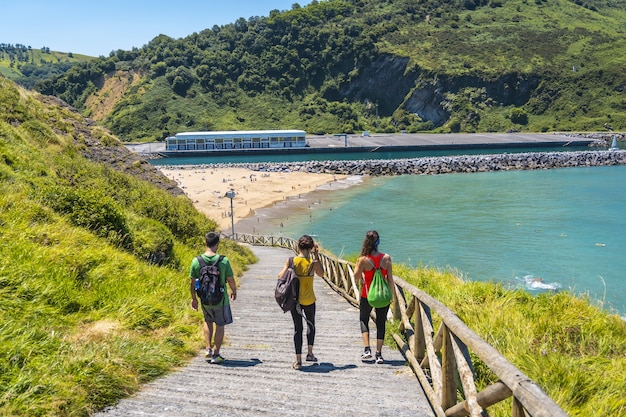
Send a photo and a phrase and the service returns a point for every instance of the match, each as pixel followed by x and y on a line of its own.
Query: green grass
pixel 93 268
pixel 573 349
pixel 27 66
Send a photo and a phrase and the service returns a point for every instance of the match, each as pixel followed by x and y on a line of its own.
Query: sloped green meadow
pixel 93 269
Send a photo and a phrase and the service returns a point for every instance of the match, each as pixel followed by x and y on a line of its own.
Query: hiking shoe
pixel 297 365
pixel 311 358
pixel 217 359
pixel 209 353
pixel 379 358
pixel 367 355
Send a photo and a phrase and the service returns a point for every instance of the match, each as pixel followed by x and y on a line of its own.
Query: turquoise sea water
pixel 566 226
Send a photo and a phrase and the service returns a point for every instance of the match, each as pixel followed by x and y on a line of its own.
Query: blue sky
pixel 98 27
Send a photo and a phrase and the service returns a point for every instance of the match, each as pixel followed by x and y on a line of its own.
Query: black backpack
pixel 208 286
pixel 287 288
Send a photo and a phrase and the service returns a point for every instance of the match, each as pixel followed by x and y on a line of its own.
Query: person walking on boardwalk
pixel 367 263
pixel 306 265
pixel 219 315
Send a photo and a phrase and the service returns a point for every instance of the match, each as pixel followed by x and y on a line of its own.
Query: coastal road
pixel 427 141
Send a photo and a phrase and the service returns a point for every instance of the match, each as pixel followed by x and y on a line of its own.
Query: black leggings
pixel 309 314
pixel 381 318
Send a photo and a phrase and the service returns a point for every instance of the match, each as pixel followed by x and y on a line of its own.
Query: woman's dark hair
pixel 305 242
pixel 370 243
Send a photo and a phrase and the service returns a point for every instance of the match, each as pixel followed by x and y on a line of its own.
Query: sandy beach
pixel 207 187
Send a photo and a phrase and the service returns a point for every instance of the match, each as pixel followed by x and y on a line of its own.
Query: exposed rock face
pixel 428 102
pixel 422 93
pixel 446 164
pixel 388 71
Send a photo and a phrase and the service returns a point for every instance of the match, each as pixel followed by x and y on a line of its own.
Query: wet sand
pixel 206 187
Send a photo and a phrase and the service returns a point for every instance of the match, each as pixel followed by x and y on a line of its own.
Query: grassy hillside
pixel 93 264
pixel 352 65
pixel 27 66
pixel 573 349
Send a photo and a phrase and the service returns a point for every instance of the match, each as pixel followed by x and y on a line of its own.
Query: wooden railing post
pixel 419 344
pixel 448 371
pixel 517 409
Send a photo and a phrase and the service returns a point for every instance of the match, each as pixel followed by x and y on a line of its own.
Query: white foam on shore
pixel 343 183
pixel 274 219
pixel 533 283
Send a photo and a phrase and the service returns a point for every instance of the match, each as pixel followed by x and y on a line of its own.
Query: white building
pixel 235 139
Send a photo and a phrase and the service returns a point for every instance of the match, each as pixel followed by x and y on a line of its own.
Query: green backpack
pixel 379 293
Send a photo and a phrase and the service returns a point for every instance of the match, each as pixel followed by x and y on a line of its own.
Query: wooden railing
pixel 439 357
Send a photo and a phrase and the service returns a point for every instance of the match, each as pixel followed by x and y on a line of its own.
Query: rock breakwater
pixel 443 164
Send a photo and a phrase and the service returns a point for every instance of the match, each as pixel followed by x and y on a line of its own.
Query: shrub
pixel 152 241
pixel 519 116
pixel 177 214
pixel 91 209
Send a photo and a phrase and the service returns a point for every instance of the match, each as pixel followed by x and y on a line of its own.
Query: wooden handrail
pixel 439 358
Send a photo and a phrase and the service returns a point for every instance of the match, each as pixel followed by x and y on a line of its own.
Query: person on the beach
pixel 218 315
pixel 306 265
pixel 366 265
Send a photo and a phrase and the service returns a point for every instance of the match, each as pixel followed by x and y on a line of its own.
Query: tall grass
pixel 573 349
pixel 93 269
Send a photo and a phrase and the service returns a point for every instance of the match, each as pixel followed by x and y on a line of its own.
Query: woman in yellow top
pixel 306 265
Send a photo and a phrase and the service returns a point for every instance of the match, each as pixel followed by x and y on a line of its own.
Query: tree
pixel 181 79
pixel 519 116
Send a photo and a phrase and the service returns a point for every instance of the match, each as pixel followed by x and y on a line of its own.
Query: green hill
pixel 93 263
pixel 27 66
pixel 352 65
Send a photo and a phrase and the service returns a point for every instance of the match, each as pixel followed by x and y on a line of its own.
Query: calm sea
pixel 565 226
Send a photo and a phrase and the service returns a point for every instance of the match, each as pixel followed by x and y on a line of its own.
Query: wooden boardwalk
pixel 257 378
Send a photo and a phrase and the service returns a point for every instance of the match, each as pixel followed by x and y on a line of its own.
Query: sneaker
pixel 217 359
pixel 297 365
pixel 379 358
pixel 209 353
pixel 367 354
pixel 311 358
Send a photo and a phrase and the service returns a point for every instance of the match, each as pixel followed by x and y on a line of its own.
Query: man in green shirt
pixel 219 315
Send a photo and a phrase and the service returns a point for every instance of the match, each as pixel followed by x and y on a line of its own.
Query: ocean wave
pixel 533 283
